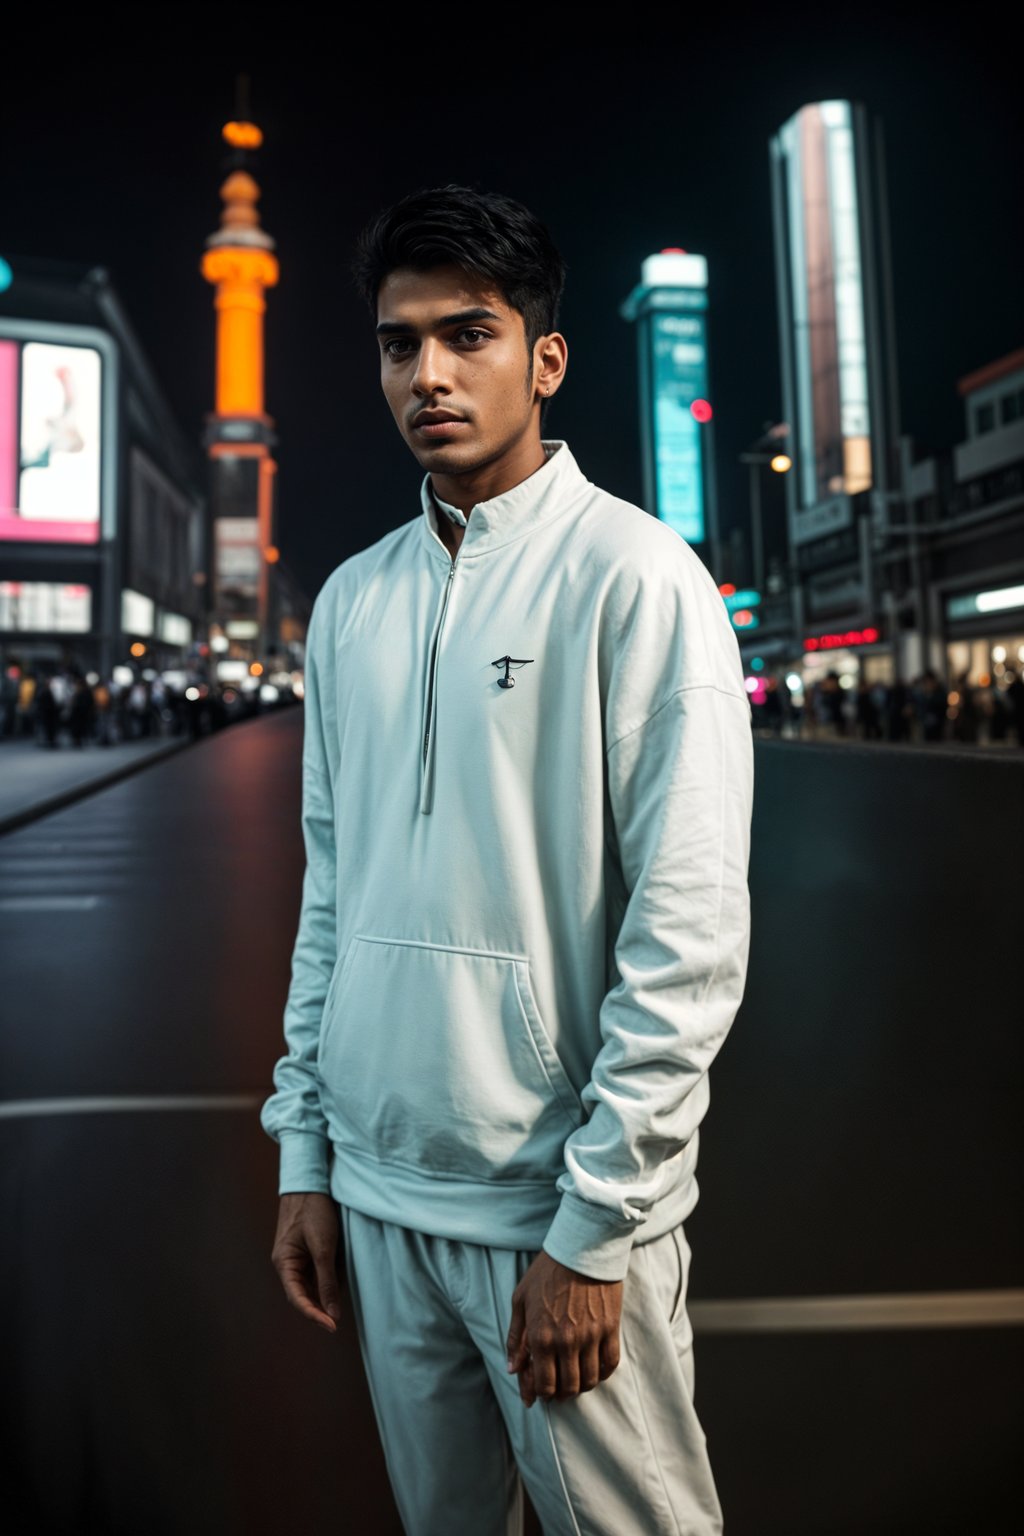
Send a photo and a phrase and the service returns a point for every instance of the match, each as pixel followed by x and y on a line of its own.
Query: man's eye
pixel 471 330
pixel 388 345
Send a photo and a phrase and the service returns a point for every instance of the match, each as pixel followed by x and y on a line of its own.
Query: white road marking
pixel 11 1109
pixel 835 1314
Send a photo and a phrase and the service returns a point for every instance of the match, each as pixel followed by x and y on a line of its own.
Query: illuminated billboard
pixel 50 442
pixel 678 354
pixel 669 306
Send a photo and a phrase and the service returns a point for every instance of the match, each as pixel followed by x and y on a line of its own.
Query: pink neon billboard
pixel 50 442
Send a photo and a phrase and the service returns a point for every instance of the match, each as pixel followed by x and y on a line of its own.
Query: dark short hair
pixel 487 233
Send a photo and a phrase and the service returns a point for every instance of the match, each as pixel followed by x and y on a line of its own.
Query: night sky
pixel 111 154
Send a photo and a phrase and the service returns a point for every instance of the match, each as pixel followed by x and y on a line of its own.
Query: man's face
pixel 450 345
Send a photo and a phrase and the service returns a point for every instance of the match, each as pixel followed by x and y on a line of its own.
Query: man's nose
pixel 431 372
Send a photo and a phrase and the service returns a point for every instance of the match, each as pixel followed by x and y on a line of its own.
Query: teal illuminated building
pixel 669 305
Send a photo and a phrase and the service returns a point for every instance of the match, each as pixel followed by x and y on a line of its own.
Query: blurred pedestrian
pixel 103 705
pixel 25 712
pixel 9 701
pixel 81 711
pixel 899 710
pixel 832 697
pixel 869 727
pixel 773 706
pixel 1015 700
pixel 964 712
pixel 47 711
pixel 998 712
pixel 932 703
pixel 139 714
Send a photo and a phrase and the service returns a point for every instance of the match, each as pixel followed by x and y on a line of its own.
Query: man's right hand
pixel 305 1256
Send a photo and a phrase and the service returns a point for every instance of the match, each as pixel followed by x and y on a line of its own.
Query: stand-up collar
pixel 490 524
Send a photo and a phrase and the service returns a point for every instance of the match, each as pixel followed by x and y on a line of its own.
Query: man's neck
pixel 450 534
pixel 464 491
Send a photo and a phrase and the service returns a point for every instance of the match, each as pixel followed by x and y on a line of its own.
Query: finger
pixel 515 1344
pixel 568 1372
pixel 527 1386
pixel 292 1270
pixel 545 1370
pixel 590 1367
pixel 327 1285
pixel 609 1354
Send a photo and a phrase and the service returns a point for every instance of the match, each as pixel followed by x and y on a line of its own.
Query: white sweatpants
pixel 628 1458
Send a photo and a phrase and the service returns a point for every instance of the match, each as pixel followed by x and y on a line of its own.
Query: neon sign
pixel 848 637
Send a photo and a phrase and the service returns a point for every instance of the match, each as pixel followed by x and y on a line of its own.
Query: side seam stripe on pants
pixel 628 1458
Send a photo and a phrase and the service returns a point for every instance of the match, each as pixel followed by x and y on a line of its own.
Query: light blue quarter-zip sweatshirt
pixel 527 791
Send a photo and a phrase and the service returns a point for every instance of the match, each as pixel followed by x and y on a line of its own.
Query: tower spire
pixel 239 262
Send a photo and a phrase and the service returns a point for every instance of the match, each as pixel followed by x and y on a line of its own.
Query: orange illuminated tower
pixel 239 435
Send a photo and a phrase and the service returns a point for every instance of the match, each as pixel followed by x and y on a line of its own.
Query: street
pixel 861 1146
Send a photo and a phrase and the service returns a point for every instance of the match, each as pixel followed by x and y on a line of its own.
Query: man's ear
pixel 551 356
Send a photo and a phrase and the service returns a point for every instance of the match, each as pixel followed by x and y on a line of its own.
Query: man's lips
pixel 439 428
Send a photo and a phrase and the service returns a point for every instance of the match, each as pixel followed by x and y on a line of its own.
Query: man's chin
pixel 443 454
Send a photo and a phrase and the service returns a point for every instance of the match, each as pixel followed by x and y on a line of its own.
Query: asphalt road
pixel 160 1381
pixel 862 1146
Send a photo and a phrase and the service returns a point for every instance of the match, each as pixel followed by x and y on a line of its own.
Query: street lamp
pixel 766 450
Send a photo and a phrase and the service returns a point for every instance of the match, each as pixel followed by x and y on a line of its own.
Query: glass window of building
pixel 985 417
pixel 1011 407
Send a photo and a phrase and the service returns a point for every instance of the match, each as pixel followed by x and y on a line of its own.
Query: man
pixel 527 792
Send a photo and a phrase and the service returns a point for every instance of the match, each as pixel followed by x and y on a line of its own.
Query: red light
pixel 672 250
pixel 727 589
pixel 700 410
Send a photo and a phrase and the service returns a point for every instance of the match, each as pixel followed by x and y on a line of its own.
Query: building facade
pixel 103 544
pixel 966 510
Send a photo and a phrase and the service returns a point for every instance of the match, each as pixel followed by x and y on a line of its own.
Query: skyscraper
pixel 669 305
pixel 839 378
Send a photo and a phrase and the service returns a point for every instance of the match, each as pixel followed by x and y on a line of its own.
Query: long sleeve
pixel 292 1115
pixel 680 794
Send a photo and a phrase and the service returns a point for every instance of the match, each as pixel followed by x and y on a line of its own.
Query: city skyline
pixel 619 171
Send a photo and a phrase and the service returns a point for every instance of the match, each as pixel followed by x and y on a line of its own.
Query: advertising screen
pixel 679 361
pixel 50 446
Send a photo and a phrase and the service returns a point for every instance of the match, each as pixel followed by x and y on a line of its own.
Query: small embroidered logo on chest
pixel 507 662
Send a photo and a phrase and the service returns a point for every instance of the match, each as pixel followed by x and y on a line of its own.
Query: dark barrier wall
pixel 864 1136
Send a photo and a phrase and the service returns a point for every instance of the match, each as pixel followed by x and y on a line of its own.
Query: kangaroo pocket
pixel 437 1058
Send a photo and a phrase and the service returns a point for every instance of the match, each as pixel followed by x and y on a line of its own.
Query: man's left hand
pixel 564 1336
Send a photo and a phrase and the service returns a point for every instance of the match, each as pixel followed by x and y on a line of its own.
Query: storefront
pixel 985 634
pixel 855 655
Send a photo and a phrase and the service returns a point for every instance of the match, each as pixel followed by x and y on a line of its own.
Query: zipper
pixel 427 763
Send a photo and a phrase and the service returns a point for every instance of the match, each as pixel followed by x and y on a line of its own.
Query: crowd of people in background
pixel 922 711
pixel 51 706
pixel 58 705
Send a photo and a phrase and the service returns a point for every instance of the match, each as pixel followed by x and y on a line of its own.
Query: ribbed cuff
pixel 304 1163
pixel 590 1239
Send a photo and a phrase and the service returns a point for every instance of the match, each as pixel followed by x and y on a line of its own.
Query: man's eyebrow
pixel 395 327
